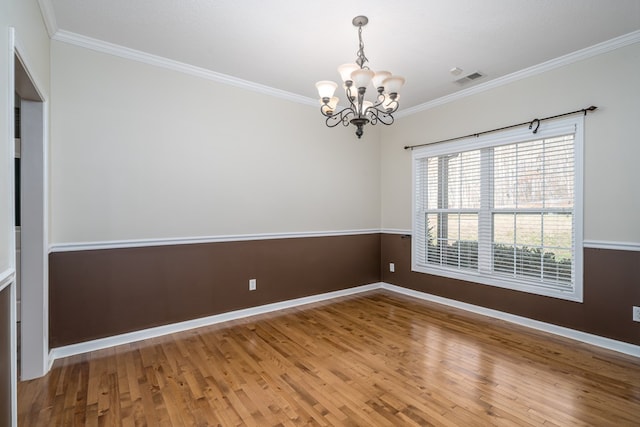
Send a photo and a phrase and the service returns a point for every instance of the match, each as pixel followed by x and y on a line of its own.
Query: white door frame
pixel 34 344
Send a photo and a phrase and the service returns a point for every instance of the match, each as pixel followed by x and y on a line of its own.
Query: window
pixel 503 209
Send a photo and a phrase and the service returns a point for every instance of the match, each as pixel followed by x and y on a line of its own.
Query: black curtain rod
pixel 532 123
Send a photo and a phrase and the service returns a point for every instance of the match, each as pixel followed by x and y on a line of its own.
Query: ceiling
pixel 288 45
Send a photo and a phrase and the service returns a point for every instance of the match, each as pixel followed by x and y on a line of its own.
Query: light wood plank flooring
pixel 375 359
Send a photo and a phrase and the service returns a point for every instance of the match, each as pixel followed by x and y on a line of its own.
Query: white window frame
pixel 547 129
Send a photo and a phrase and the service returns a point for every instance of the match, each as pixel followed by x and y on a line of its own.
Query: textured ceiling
pixel 289 45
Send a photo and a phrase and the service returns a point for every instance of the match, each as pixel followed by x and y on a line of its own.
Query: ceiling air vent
pixel 469 78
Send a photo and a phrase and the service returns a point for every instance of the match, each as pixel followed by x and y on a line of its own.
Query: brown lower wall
pixel 100 293
pixel 611 288
pixel 5 357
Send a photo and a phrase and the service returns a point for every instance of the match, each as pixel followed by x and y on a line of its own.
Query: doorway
pixel 30 197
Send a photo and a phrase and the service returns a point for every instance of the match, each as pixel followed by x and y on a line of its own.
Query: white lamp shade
pixel 379 78
pixel 345 71
pixel 326 88
pixel 393 84
pixel 362 77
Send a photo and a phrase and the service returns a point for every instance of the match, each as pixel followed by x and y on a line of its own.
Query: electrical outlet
pixel 392 267
pixel 636 314
pixel 252 284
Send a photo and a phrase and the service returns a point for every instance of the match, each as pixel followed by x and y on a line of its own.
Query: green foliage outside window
pixel 507 259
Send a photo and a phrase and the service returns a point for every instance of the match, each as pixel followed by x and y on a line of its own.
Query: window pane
pixel 558 234
pixel 530 175
pixel 433 183
pixel 529 229
pixel 528 261
pixel 503 228
pixel 433 248
pixel 556 269
pixel 469 227
pixel 503 258
pixel 559 172
pixel 453 240
pixel 468 241
pixel 463 189
pixel 504 177
pixel 448 226
pixel 533 253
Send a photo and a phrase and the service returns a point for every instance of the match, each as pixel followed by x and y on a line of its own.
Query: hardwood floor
pixel 375 359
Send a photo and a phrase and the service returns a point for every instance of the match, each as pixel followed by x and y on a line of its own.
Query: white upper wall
pixel 143 152
pixel 32 41
pixel 612 172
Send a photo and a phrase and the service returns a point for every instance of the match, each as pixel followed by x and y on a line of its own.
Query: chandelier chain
pixel 361 57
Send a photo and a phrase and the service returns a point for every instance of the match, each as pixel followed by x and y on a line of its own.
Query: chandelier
pixel 356 78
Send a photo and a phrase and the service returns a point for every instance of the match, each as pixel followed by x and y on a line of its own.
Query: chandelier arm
pixel 326 110
pixel 392 107
pixel 377 115
pixel 351 98
pixel 343 116
pixel 379 100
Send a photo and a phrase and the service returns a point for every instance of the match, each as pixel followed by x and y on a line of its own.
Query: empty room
pixel 279 213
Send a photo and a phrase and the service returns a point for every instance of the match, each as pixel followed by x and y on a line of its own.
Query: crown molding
pixel 55 33
pixel 600 48
pixel 49 17
pixel 159 61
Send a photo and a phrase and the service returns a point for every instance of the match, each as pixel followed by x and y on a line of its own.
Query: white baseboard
pixel 102 343
pixel 144 334
pixel 619 346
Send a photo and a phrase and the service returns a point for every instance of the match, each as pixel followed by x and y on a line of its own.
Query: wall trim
pixel 616 246
pixel 138 243
pixel 160 61
pixel 596 340
pixel 120 244
pixel 130 337
pixel 102 343
pixel 579 55
pixel 395 231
